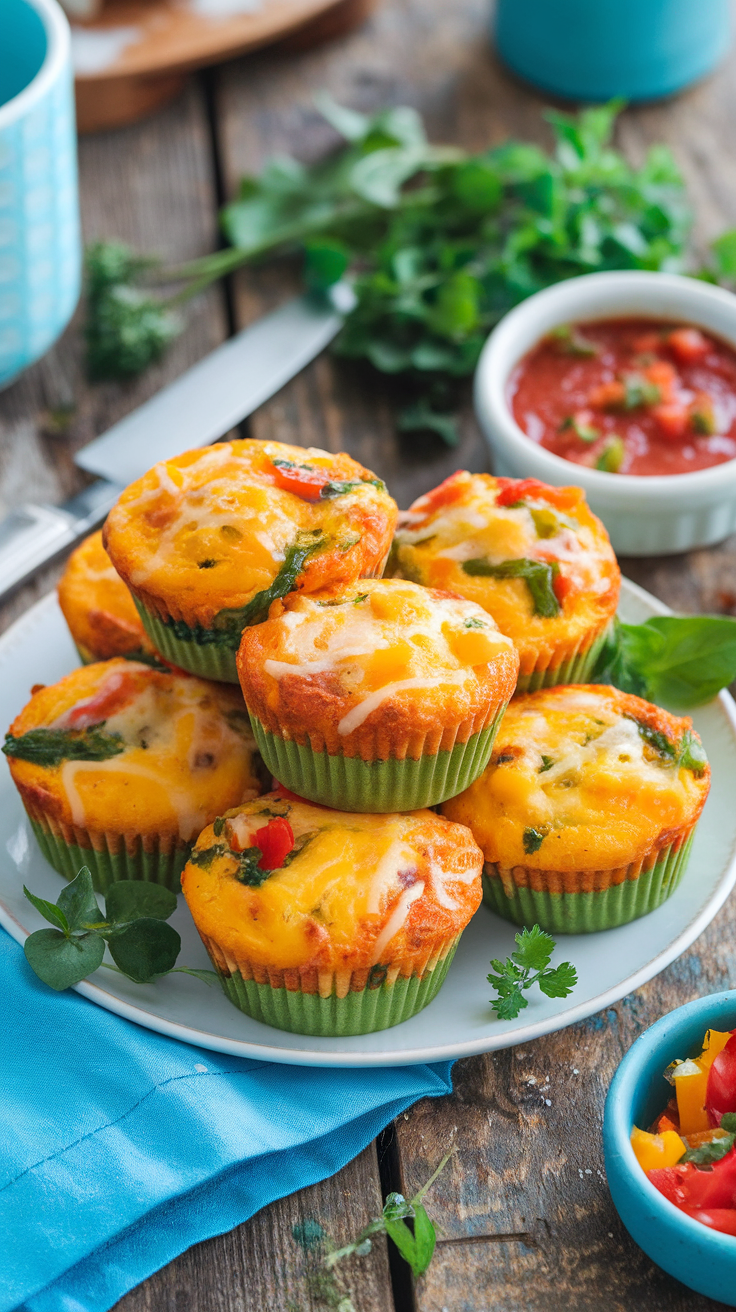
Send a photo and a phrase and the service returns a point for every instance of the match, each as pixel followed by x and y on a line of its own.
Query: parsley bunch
pixel 527 966
pixel 438 243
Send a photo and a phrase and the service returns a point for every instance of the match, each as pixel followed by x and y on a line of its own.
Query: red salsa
pixel 629 396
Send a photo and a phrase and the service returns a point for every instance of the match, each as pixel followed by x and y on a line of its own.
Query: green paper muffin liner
pixel 576 669
pixel 587 912
pixel 359 1012
pixel 112 862
pixel 348 783
pixel 209 660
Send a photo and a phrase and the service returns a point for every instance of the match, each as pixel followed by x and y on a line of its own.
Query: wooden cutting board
pixel 135 56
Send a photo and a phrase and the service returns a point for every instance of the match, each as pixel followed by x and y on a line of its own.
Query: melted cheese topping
pixel 380 640
pixel 97 605
pixel 552 526
pixel 578 767
pixel 363 890
pixel 188 752
pixel 209 530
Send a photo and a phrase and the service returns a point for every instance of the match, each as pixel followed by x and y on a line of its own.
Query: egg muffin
pixel 119 767
pixel 535 557
pixel 330 923
pixel 380 696
pixel 99 609
pixel 587 810
pixel 207 541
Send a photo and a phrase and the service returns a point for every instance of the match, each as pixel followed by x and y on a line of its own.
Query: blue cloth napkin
pixel 120 1148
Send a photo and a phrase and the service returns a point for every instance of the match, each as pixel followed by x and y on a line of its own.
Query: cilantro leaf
pixel 534 950
pixel 561 981
pixel 527 966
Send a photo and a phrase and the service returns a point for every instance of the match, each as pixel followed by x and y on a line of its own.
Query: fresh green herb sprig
pixel 133 926
pixel 527 966
pixel 127 328
pixel 416 1245
pixel 50 747
pixel 674 661
pixel 439 243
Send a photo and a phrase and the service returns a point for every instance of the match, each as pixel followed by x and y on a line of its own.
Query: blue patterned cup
pixel 598 49
pixel 40 251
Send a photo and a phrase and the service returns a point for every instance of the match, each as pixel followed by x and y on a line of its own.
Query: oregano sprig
pixel 527 966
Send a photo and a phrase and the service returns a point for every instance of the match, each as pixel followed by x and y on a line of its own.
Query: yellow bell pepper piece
pixel 713 1043
pixel 690 1087
pixel 656 1150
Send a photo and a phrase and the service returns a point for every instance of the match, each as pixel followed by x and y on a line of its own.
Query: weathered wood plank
pixel 261 1265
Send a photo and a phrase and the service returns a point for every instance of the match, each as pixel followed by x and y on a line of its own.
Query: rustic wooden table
pixel 525 1219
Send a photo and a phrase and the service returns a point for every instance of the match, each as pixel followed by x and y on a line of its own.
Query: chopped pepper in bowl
pixel 689 1154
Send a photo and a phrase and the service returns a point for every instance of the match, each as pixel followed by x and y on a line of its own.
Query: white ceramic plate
pixel 459 1022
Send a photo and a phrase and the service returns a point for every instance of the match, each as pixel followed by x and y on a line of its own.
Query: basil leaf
pixel 229 624
pixel 144 949
pixel 537 574
pixel 50 747
pixel 61 961
pixel 130 898
pixel 674 661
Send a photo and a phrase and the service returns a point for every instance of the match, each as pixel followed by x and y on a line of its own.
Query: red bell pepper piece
pixel 670 1180
pixel 276 839
pixel 306 483
pixel 718 1218
pixel 445 492
pixel 720 1093
pixel 118 689
pixel 518 489
pixel 688 1186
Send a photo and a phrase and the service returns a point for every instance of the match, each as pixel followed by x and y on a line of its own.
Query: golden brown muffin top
pixel 348 892
pixel 214 529
pixel 584 778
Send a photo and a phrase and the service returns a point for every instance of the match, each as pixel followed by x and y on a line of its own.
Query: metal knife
pixel 197 408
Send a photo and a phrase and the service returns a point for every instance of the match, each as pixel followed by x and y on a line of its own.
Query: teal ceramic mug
pixel 40 252
pixel 597 49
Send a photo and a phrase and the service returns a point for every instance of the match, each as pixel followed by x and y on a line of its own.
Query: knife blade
pixel 196 409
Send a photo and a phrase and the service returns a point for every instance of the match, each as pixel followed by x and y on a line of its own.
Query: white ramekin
pixel 645 516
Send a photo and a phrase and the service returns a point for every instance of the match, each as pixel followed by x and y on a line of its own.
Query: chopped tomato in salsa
pixel 643 398
pixel 690 1153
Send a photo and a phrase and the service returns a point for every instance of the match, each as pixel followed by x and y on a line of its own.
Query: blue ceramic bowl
pixel 40 250
pixel 597 49
pixel 702 1259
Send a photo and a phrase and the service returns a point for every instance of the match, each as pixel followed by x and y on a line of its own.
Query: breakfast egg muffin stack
pixel 333 903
